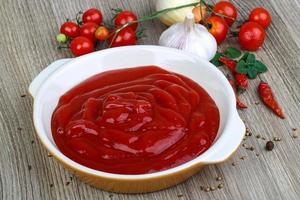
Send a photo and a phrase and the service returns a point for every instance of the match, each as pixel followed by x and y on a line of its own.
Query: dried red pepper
pixel 266 94
pixel 239 103
pixel 230 64
pixel 241 79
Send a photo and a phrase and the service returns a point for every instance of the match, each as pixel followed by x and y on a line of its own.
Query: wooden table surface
pixel 28 29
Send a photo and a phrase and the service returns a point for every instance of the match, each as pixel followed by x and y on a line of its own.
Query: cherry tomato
pixel 227 9
pixel 101 33
pixel 251 36
pixel 124 38
pixel 260 16
pixel 88 30
pixel 81 45
pixel 125 17
pixel 61 38
pixel 70 29
pixel 218 28
pixel 92 15
pixel 197 13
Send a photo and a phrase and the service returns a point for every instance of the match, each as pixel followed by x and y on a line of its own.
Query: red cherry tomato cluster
pixel 90 30
pixel 252 32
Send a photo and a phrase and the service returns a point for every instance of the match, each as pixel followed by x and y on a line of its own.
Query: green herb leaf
pixel 233 53
pixel 245 56
pixel 216 61
pixel 260 67
pixel 252 73
pixel 250 59
pixel 241 67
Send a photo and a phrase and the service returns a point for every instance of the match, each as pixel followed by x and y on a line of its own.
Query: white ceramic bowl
pixel 62 75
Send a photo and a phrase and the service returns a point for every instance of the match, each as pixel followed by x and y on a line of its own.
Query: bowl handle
pixel 228 142
pixel 43 75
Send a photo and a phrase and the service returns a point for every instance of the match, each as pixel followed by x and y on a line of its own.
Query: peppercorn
pixel 269 145
pixel 295 135
pixel 277 139
pixel 220 186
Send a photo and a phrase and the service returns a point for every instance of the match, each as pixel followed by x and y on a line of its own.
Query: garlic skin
pixel 174 16
pixel 190 37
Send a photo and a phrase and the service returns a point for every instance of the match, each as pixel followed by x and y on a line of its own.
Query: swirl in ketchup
pixel 135 121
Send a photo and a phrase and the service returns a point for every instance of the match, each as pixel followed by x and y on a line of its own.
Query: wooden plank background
pixel 27 41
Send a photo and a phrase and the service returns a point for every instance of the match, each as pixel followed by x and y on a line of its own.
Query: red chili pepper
pixel 241 79
pixel 266 94
pixel 239 104
pixel 230 64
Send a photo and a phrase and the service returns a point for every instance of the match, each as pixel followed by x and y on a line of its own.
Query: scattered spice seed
pixel 71 178
pixel 233 164
pixel 294 129
pixel 263 138
pixel 276 139
pixel 23 95
pixel 111 195
pixel 256 103
pixel 19 128
pixel 258 136
pixel 207 189
pixel 248 134
pixel 269 145
pixel 219 178
pixel 244 145
pixel 32 141
pixel 243 157
pixel 201 187
pixel 212 188
pixel 51 185
pixel 49 155
pixel 68 183
pixel 220 186
pixel 251 148
pixel 295 135
pixel 180 195
pixel 257 154
pixel 29 167
pixel 247 130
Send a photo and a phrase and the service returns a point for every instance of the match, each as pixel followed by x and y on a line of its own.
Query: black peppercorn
pixel 269 145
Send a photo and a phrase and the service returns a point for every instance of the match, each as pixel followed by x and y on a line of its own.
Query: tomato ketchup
pixel 135 121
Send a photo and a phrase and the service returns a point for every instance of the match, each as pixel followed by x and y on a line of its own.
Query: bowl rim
pixel 233 115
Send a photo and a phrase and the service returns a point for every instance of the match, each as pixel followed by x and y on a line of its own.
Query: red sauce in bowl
pixel 135 121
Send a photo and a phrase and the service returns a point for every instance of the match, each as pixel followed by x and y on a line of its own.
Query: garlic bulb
pixel 175 16
pixel 190 37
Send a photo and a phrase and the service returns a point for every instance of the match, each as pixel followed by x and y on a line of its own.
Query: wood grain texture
pixel 27 41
